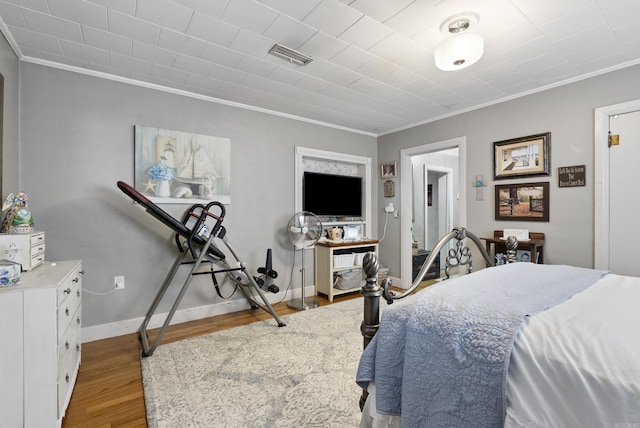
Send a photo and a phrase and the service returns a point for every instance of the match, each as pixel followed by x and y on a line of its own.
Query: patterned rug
pixel 259 375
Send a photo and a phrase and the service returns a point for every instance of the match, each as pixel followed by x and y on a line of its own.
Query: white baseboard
pixel 120 328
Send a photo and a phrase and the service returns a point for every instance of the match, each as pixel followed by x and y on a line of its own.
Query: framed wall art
pixel 523 201
pixel 388 170
pixel 180 167
pixel 520 157
pixel 389 189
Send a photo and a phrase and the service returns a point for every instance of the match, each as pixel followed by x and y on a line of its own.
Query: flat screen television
pixel 332 195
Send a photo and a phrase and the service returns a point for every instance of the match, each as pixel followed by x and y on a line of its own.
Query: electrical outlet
pixel 118 282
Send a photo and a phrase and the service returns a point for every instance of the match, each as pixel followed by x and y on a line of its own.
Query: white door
pixel 624 203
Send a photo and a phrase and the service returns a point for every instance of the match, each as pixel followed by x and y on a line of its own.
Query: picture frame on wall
pixel 522 201
pixel 389 189
pixel 389 170
pixel 521 157
pixel 175 167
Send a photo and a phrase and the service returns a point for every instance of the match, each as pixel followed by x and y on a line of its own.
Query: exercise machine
pixel 195 237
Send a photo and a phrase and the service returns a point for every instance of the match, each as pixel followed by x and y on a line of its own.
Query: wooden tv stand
pixel 325 268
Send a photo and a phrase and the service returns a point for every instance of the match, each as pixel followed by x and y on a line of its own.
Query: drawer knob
pixel 67 291
pixel 66 345
pixel 78 320
pixel 76 279
pixel 81 272
pixel 66 311
pixel 66 378
pixel 77 347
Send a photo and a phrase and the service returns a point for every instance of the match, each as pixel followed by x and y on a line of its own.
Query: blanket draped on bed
pixel 440 357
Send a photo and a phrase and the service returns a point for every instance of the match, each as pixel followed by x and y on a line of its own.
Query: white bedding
pixel 574 365
pixel 578 364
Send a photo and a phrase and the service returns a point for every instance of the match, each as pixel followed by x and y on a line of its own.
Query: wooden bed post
pixel 371 292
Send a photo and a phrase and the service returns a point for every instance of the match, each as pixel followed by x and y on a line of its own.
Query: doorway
pixel 432 197
pixel 616 208
pixel 433 164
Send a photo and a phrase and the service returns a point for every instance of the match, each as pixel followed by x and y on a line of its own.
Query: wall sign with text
pixel 572 176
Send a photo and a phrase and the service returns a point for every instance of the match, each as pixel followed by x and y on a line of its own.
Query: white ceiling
pixel 373 69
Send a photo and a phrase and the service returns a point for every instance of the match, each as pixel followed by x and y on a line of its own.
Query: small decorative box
pixel 9 273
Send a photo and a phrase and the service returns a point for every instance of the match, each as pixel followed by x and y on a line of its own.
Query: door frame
pixel 406 197
pixel 449 194
pixel 601 178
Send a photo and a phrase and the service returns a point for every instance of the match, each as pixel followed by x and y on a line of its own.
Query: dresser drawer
pixel 68 313
pixel 69 345
pixel 37 250
pixel 66 380
pixel 70 287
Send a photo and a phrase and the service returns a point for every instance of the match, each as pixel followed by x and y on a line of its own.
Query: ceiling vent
pixel 290 55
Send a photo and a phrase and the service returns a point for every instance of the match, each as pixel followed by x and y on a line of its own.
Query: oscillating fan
pixel 304 229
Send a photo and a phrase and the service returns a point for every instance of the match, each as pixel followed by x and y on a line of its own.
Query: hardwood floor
pixel 109 392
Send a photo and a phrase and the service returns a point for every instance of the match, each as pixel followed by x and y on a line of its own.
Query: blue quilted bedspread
pixel 440 357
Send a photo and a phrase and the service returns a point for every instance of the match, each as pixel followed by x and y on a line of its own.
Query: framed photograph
pixel 388 170
pixel 523 201
pixel 524 256
pixel 519 157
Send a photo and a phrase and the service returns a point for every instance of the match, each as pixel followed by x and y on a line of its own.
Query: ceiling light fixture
pixel 290 55
pixel 461 48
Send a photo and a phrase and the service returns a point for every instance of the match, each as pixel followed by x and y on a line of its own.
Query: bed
pixel 519 345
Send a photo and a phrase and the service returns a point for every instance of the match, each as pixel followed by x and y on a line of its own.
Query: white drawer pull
pixel 67 291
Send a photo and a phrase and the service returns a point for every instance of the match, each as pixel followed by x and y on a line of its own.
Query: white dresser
pixel 40 324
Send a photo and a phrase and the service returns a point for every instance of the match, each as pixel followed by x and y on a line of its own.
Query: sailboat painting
pixel 182 168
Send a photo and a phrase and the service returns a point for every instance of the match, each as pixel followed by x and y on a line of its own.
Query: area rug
pixel 259 375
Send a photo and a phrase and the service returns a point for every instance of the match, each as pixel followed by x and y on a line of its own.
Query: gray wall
pixel 10 148
pixel 567 112
pixel 77 141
